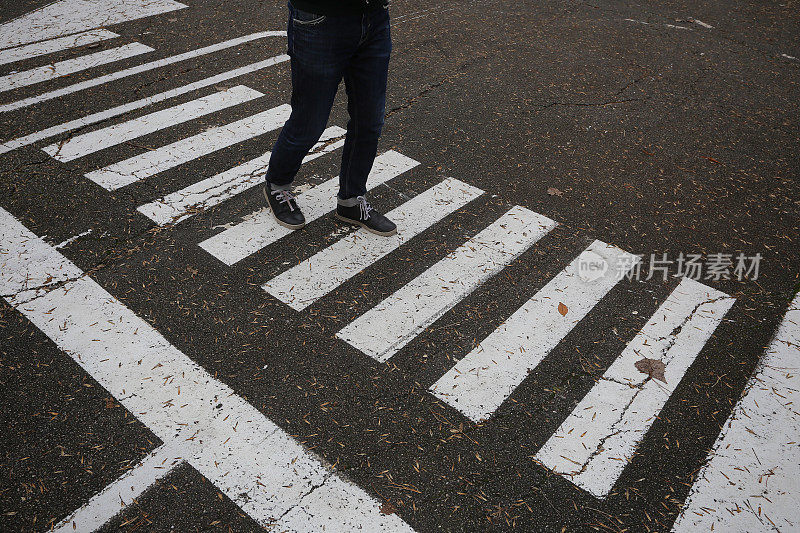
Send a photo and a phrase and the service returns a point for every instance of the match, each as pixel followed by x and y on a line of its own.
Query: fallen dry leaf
pixel 562 309
pixel 387 508
pixel 552 191
pixel 652 367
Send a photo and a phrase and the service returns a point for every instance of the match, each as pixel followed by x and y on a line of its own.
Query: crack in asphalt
pixel 671 339
pixel 300 498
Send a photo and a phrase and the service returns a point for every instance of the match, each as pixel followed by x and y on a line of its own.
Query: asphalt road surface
pixel 588 321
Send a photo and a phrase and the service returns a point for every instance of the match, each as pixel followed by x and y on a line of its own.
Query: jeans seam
pixel 355 136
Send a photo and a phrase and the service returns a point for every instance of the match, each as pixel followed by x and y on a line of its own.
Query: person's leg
pixel 365 82
pixel 319 48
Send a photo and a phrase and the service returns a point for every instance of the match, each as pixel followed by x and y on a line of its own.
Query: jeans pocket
pixel 304 18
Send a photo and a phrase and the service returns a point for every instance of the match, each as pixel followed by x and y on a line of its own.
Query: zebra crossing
pixel 593 444
pixel 12 55
pixel 70 66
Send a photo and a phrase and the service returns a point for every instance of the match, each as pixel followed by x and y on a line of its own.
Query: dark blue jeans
pixel 323 50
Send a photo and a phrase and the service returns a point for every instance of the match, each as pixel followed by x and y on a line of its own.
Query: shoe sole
pixel 359 223
pixel 279 221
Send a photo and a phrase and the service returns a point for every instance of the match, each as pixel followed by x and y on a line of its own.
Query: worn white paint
pixel 751 482
pixel 65 17
pixel 250 459
pixel 315 277
pixel 94 141
pixel 138 104
pixel 385 329
pixel 166 157
pixel 597 440
pixel 259 229
pixel 70 66
pixel 703 24
pixel 72 239
pixel 94 82
pixel 111 501
pixel 480 382
pixel 180 205
pixel 28 51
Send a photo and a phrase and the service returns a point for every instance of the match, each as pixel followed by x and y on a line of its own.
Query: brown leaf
pixel 552 191
pixel 387 508
pixel 652 367
pixel 562 309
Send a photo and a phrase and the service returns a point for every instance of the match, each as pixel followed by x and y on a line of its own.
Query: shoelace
pixel 284 197
pixel 365 207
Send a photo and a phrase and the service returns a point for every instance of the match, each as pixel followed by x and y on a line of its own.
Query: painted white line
pixel 55 45
pixel 72 239
pixel 108 503
pixel 151 163
pixel 318 275
pixel 751 481
pixel 385 329
pixel 66 17
pixel 70 66
pixel 97 140
pixel 178 206
pixel 250 459
pixel 138 104
pixel 19 104
pixel 259 229
pixel 703 24
pixel 480 382
pixel 596 441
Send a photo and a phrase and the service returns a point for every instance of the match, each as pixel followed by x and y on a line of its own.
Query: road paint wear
pixel 65 17
pixel 138 104
pixel 28 51
pixel 166 157
pixel 480 382
pixel 94 141
pixel 70 66
pixel 597 440
pixel 251 460
pixel 751 481
pixel 94 82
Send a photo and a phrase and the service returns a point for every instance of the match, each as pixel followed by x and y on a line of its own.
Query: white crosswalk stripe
pixel 94 82
pixel 111 501
pixel 313 278
pixel 260 467
pixel 94 141
pixel 751 481
pixel 100 116
pixel 152 162
pixel 28 51
pixel 180 205
pixel 595 443
pixel 480 382
pixel 66 17
pixel 385 329
pixel 259 229
pixel 70 66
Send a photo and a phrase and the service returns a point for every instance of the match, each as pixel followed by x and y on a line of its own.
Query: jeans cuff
pixel 347 202
pixel 276 187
